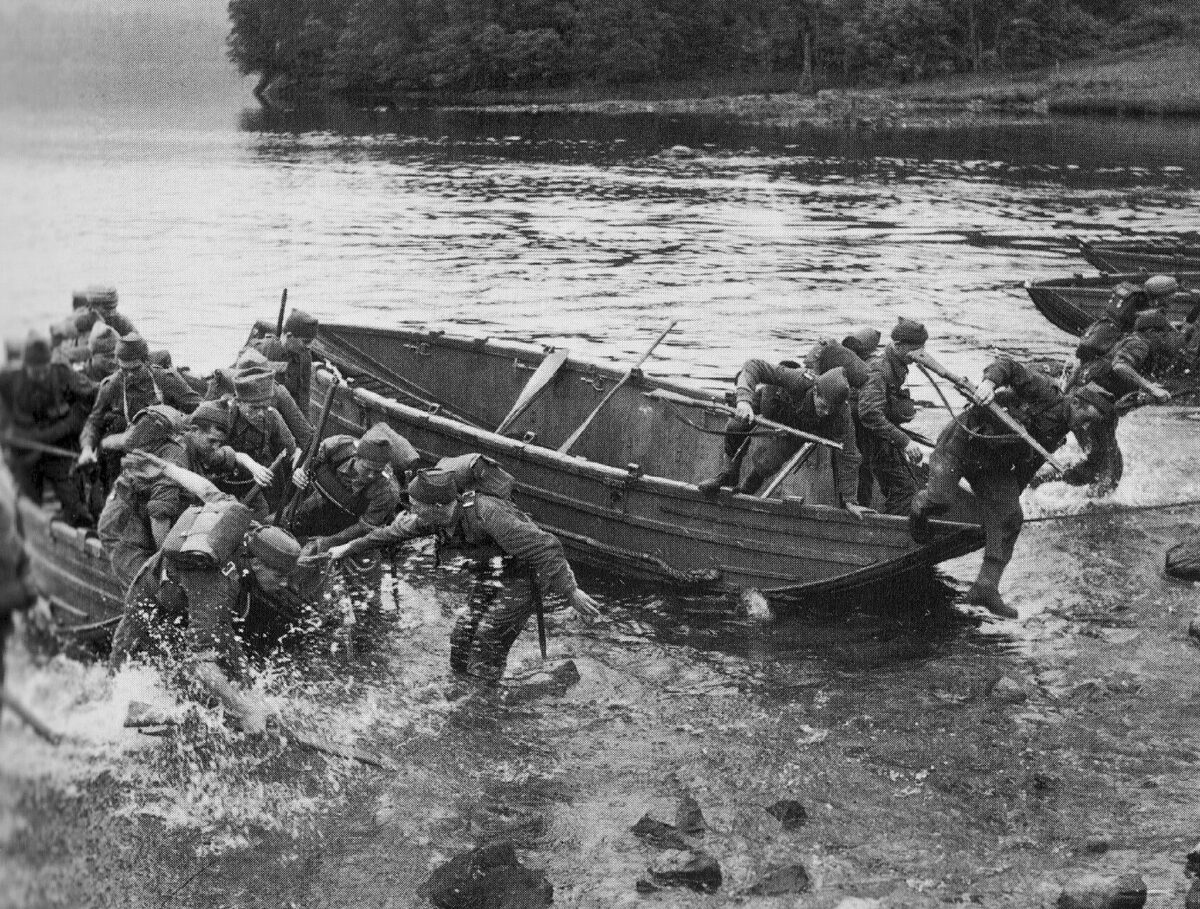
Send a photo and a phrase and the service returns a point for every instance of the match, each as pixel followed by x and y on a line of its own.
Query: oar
pixel 282 307
pixel 663 395
pixel 30 720
pixel 537 383
pixel 567 445
pixel 923 359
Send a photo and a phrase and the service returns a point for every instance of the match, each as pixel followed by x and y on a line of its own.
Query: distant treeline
pixel 367 49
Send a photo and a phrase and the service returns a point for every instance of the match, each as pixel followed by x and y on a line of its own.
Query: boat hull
pixel 1149 256
pixel 624 500
pixel 1073 304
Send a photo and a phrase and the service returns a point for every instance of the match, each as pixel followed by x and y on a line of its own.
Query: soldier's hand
pixel 985 392
pixel 263 476
pixel 87 456
pixel 339 552
pixel 588 609
pixel 745 411
pixel 300 478
pixel 914 453
pixel 1160 394
pixel 859 510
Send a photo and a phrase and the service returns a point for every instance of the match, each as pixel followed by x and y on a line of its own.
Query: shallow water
pixel 590 232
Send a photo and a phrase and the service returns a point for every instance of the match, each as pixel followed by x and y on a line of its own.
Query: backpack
pixel 479 473
pixel 207 536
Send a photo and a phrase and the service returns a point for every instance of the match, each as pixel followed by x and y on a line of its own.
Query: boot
pixel 730 468
pixel 985 591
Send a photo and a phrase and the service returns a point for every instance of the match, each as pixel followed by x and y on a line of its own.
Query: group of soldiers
pixel 855 394
pixel 215 498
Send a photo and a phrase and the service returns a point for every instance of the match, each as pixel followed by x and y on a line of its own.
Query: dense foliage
pixel 368 48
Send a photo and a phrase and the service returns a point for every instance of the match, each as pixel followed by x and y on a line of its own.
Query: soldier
pixel 999 464
pixel 1113 382
pixel 796 398
pixel 216 563
pixel 46 403
pixel 484 634
pixel 144 503
pixel 299 331
pixel 16 587
pixel 257 429
pixel 1119 319
pixel 884 404
pixel 102 353
pixel 346 490
pixel 208 454
pixel 852 355
pixel 101 307
pixel 222 385
pixel 135 386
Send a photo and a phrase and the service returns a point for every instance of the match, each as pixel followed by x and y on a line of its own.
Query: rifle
pixel 928 364
pixel 282 307
pixel 663 395
pixel 288 511
pixel 42 447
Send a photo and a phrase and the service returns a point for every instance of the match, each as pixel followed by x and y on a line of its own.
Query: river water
pixel 591 232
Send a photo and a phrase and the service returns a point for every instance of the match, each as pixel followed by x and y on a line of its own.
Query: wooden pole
pixel 663 395
pixel 30 720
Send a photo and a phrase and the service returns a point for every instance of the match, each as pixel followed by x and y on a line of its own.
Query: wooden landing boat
pixel 1075 303
pixel 624 498
pixel 71 570
pixel 1158 255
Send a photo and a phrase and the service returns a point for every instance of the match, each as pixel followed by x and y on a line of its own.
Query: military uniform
pixel 535 567
pixel 144 503
pixel 830 354
pixel 999 464
pixel 884 404
pixel 124 394
pixel 222 385
pixel 786 395
pixel 48 408
pixel 182 599
pixel 338 507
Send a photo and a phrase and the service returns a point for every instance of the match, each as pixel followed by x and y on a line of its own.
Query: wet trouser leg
pixel 947 465
pixel 894 474
pixel 125 538
pixel 866 479
pixel 58 472
pixel 482 597
pixel 1104 463
pixel 737 434
pixel 150 622
pixel 211 599
pixel 499 628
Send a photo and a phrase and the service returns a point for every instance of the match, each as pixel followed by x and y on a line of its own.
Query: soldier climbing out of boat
pixel 133 387
pixel 802 400
pixel 884 406
pixel 44 403
pixel 485 525
pixel 215 564
pixel 144 502
pixel 257 429
pixel 856 348
pixel 209 454
pixel 1116 383
pixel 293 348
pixel 999 464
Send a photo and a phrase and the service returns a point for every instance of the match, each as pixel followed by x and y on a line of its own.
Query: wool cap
pixel 160 358
pixel 433 487
pixel 1153 320
pixel 909 332
pixel 66 330
pixel 301 324
pixel 863 340
pixel 856 373
pixel 275 547
pixel 102 339
pixel 404 456
pixel 254 386
pixel 374 447
pixel 1160 286
pixel 833 387
pixel 79 299
pixel 251 358
pixel 36 351
pixel 151 425
pixel 103 296
pixel 133 347
pixel 210 414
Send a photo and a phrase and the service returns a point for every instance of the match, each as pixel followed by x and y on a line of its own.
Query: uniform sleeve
pixel 283 438
pixel 93 427
pixel 761 372
pixel 521 538
pixel 381 505
pixel 847 461
pixel 1133 352
pixel 405 526
pixel 872 410
pixel 166 502
pixel 296 422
